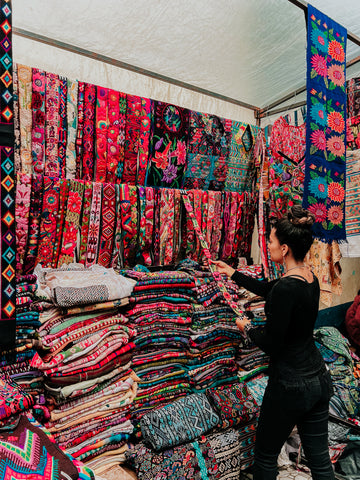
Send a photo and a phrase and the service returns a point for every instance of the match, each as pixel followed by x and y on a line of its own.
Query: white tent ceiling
pixel 250 50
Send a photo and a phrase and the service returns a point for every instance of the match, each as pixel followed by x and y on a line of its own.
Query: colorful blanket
pixel 324 186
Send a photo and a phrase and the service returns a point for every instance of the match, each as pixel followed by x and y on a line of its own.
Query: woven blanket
pixel 179 422
pixel 235 405
pixel 324 185
pixel 352 206
pixel 27 452
pixel 193 461
pixel 13 399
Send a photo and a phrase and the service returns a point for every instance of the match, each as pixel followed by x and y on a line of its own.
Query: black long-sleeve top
pixel 291 308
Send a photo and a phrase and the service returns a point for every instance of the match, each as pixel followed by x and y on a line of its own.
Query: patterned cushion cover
pixel 235 405
pixel 227 452
pixel 178 422
pixel 193 461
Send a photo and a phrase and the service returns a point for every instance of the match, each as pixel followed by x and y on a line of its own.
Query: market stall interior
pixel 139 140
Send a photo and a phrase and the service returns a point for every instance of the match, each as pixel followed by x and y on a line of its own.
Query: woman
pixel 299 386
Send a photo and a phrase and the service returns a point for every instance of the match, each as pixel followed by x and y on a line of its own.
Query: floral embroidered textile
pixel 324 186
pixel 168 145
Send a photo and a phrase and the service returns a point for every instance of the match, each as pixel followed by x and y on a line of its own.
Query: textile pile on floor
pixel 198 433
pixel 85 358
pixel 160 310
pixel 37 455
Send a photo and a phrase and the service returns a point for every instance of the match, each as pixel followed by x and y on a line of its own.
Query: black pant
pixel 301 402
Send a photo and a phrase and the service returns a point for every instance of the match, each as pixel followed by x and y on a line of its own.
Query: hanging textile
pixel 25 116
pixel 87 170
pixel 62 213
pixel 352 206
pixel 144 140
pixel 133 120
pixel 167 215
pixel 102 124
pixel 243 138
pixel 72 114
pixel 94 225
pixel 7 181
pixel 85 219
pixel 353 97
pixel 108 224
pixel 49 220
pixel 36 199
pixel 149 225
pixel 142 221
pixel 71 224
pixel 80 129
pixel 22 210
pixel 208 152
pixel 113 137
pixel 324 187
pixel 122 135
pixel 168 145
pixel 52 165
pixel 38 120
pixel 287 166
pixel 17 159
pixel 128 209
pixel 205 250
pixel 62 129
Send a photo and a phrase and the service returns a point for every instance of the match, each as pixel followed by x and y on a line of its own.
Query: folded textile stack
pixel 212 348
pixel 16 361
pixel 85 357
pixel 251 361
pixel 160 310
pixel 88 381
pixel 36 456
pixel 335 349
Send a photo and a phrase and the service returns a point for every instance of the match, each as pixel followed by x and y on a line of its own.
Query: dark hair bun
pixel 300 217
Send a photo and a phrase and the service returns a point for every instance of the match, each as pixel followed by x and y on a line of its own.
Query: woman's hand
pixel 241 322
pixel 222 267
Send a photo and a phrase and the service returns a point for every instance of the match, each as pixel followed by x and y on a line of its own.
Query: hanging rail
pixel 266 111
pixel 127 66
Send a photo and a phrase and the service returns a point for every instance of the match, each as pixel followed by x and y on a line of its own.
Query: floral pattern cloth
pixel 324 260
pixel 324 188
pixel 168 145
pixel 208 152
pixel 287 166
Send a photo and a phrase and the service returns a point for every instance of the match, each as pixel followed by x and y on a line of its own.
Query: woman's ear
pixel 284 249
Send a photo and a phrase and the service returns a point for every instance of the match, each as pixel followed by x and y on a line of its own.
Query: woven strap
pixel 206 252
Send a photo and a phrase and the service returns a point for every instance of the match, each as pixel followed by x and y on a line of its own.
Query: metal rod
pixel 267 113
pixel 117 63
pixel 281 100
pixel 304 6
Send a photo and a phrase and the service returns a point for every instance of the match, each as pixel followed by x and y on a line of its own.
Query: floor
pixel 288 473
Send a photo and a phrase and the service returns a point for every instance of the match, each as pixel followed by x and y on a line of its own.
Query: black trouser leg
pixel 313 431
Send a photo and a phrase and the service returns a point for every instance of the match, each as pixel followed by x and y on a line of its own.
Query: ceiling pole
pixel 264 112
pixel 117 63
pixel 304 6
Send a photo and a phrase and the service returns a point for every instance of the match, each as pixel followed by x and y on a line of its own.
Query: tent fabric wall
pixel 77 67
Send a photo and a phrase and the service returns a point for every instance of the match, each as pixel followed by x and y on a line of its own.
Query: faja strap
pixel 205 249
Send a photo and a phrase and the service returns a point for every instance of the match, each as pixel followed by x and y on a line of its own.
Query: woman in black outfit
pixel 299 386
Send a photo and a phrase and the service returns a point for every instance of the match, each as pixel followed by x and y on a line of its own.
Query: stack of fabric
pixel 85 357
pixel 16 361
pixel 160 310
pixel 335 349
pixel 88 381
pixel 212 349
